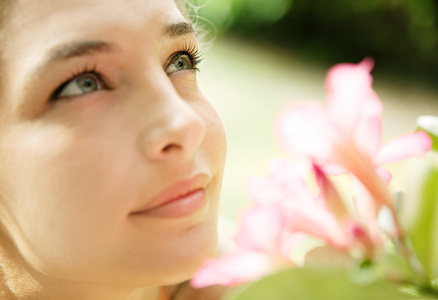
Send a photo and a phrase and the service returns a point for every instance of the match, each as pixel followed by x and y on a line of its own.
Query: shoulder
pixel 186 292
pixel 208 293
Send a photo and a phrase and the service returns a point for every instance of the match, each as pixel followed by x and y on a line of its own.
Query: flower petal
pixel 361 236
pixel 367 206
pixel 283 183
pixel 330 194
pixel 385 175
pixel 233 269
pixel 409 145
pixel 261 228
pixel 306 130
pixel 317 222
pixel 351 97
pixel 368 135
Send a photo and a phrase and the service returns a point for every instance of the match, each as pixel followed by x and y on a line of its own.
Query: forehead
pixel 69 17
pixel 34 26
pixel 31 11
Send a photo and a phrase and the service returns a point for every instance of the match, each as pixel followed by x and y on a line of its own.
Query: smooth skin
pixel 100 111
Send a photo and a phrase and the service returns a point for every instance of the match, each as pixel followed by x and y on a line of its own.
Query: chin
pixel 190 256
pixel 175 258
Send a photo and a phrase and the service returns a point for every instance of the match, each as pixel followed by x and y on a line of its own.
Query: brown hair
pixel 5 8
pixel 4 5
pixel 205 30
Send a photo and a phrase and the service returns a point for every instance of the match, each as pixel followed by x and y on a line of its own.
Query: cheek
pixel 215 139
pixel 214 146
pixel 66 192
pixel 215 142
pixel 69 190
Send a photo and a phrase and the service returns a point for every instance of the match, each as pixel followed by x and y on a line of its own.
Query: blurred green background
pixel 262 54
pixel 402 35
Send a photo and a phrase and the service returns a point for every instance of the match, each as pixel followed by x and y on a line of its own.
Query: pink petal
pixel 367 135
pixel 350 94
pixel 290 169
pixel 233 269
pixel 385 175
pixel 333 200
pixel 288 241
pixel 375 233
pixel 265 190
pixel 331 168
pixel 363 168
pixel 272 189
pixel 317 222
pixel 366 140
pixel 413 144
pixel 306 130
pixel 361 236
pixel 283 183
pixel 367 206
pixel 261 228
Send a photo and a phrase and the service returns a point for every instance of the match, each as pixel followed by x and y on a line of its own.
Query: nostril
pixel 171 147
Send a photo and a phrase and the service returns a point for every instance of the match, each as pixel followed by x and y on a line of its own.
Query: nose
pixel 174 130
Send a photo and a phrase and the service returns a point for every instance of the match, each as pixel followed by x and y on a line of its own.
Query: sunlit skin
pixel 80 158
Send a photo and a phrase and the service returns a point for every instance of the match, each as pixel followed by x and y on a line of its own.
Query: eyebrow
pixel 81 48
pixel 175 30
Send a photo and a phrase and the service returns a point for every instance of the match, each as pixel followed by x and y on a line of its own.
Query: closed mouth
pixel 181 198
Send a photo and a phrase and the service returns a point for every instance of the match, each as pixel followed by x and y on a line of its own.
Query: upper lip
pixel 176 190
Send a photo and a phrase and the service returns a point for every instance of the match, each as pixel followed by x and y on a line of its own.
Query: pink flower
pixel 303 211
pixel 363 233
pixel 284 212
pixel 233 269
pixel 264 246
pixel 346 133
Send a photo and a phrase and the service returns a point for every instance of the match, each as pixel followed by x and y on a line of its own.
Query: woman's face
pixel 111 157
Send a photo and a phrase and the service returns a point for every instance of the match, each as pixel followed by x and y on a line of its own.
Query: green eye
pixel 83 84
pixel 180 62
pixel 184 60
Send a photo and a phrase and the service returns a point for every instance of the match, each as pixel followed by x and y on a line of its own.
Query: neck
pixel 20 281
pixel 76 290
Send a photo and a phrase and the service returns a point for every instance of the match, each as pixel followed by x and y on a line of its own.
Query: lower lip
pixel 179 207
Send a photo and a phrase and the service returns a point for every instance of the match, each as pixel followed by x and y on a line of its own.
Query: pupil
pixel 88 83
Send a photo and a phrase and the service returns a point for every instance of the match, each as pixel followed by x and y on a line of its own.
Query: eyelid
pixel 192 51
pixel 86 71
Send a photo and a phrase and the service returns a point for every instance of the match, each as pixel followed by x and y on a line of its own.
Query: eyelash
pixel 191 51
pixel 86 69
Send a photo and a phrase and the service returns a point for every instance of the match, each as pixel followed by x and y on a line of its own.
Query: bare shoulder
pixel 208 293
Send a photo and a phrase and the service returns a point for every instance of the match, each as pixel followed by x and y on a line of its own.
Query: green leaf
pixel 429 124
pixel 393 266
pixel 317 284
pixel 421 212
pixel 328 258
pixel 387 266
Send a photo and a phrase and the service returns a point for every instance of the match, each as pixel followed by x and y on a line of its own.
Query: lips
pixel 180 199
